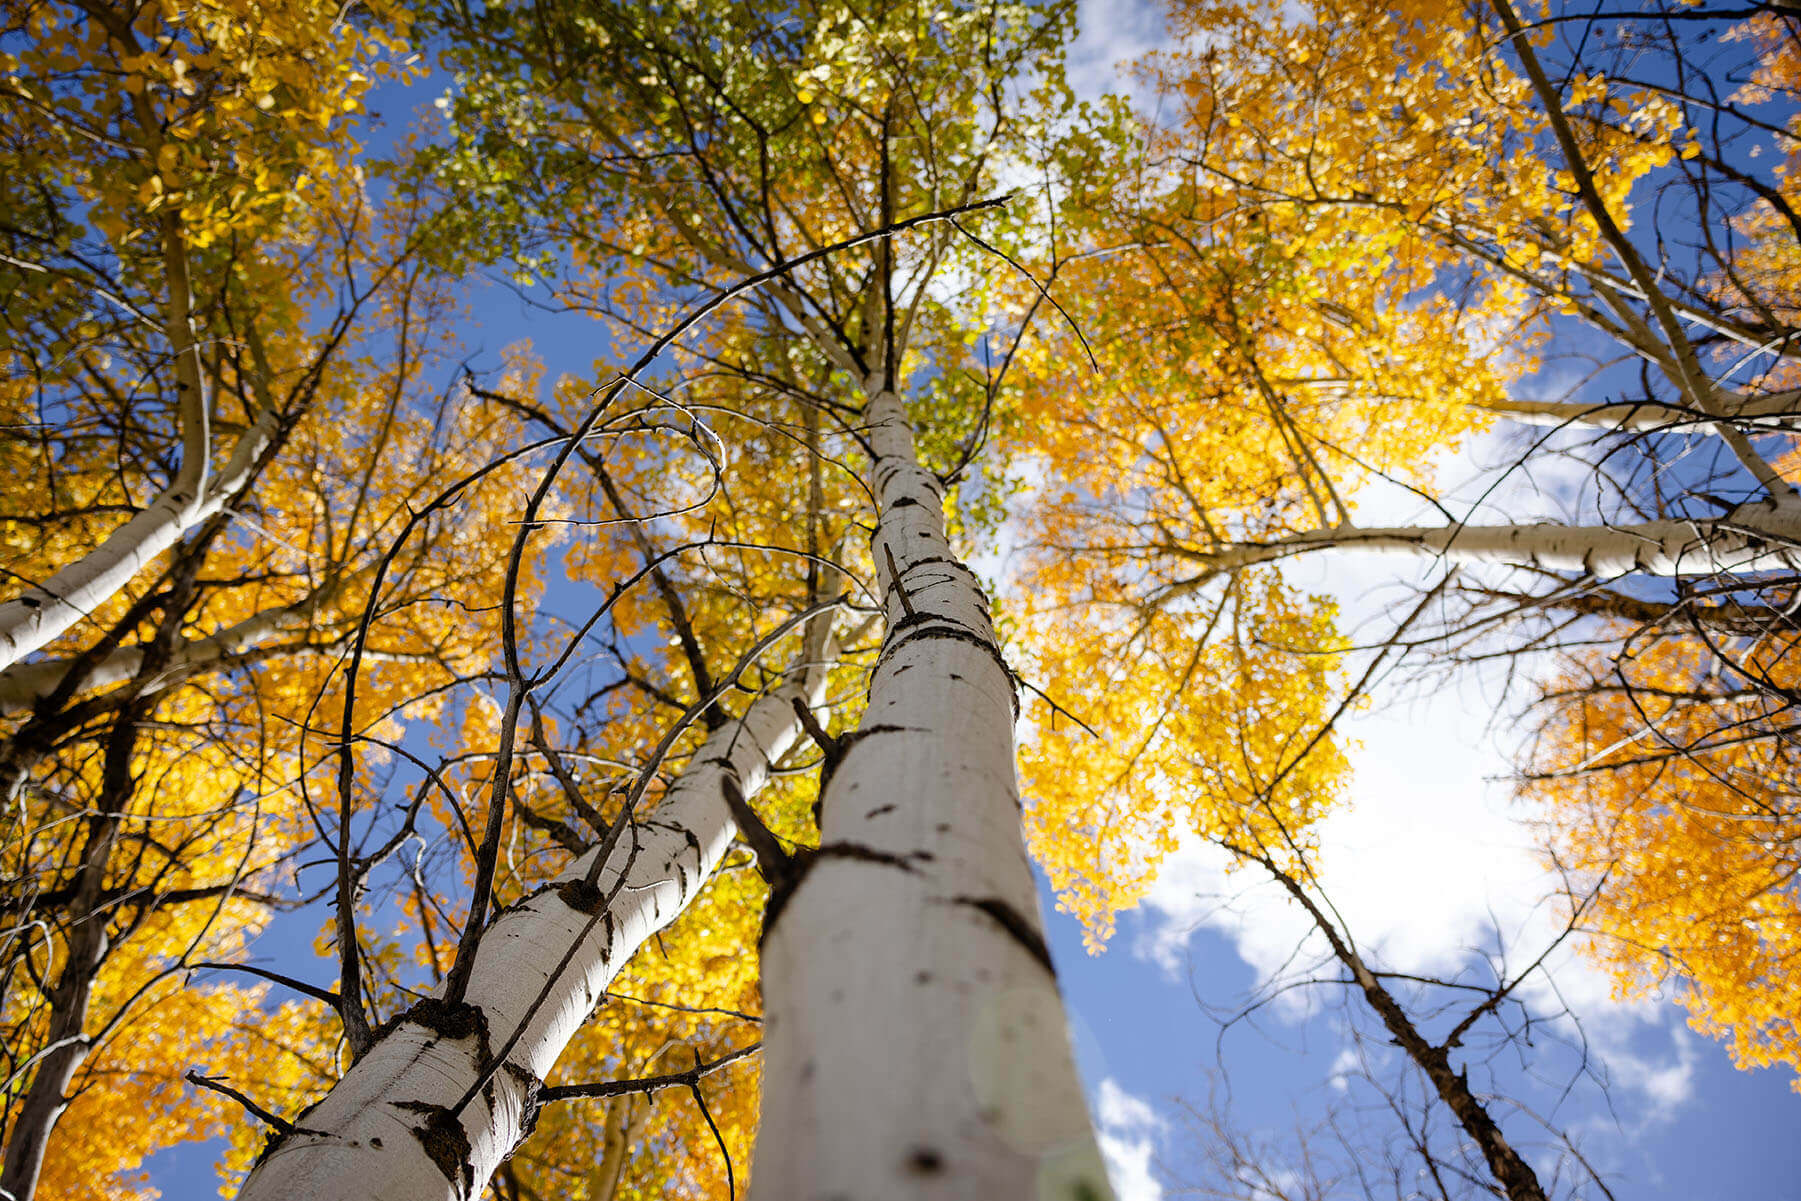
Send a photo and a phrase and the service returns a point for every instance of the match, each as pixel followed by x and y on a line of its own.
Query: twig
pixel 312 990
pixel 900 586
pixel 773 859
pixel 1056 708
pixel 731 1182
pixel 647 1084
pixel 281 1124
pixel 735 1013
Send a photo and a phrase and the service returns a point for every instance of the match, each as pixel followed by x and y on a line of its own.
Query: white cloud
pixel 1111 33
pixel 1127 1128
pixel 1343 1068
pixel 1663 1082
pixel 1428 860
pixel 1425 862
pixel 1115 1107
pixel 1129 1168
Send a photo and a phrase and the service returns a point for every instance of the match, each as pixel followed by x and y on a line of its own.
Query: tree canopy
pixel 956 481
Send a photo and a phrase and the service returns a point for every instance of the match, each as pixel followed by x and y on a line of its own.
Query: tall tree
pixel 213 334
pixel 711 143
pixel 1348 247
pixel 154 155
pixel 178 850
pixel 630 854
pixel 449 1089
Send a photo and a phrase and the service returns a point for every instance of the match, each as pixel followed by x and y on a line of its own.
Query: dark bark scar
pixel 1024 932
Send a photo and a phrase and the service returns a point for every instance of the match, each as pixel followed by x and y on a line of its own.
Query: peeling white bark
pixel 915 1044
pixel 47 610
pixel 1761 537
pixel 385 1131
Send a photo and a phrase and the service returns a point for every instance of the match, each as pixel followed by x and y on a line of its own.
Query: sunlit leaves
pixel 1666 782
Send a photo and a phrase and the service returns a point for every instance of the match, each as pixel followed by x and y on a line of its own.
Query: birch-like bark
pixel 45 611
pixel 915 1044
pixel 390 1130
pixel 24 684
pixel 1760 537
pixel 1773 411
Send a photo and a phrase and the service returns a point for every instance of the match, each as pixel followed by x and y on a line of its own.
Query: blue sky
pixel 1428 855
pixel 1427 850
pixel 1425 860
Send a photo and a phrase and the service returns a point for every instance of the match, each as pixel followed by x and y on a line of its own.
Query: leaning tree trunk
pixel 915 1043
pixel 25 684
pixel 45 611
pixel 1756 537
pixel 66 1048
pixel 423 1116
pixel 1772 411
pixel 1515 1176
pixel 66 1042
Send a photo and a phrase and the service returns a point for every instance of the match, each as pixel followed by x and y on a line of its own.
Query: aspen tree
pixel 915 1034
pixel 212 138
pixel 1355 233
pixel 450 1087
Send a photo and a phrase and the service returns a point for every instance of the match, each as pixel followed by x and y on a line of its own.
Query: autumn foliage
pixel 422 625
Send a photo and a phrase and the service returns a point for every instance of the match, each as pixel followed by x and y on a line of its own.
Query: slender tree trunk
pixel 24 684
pixel 67 1049
pixel 625 1121
pixel 412 1119
pixel 1759 537
pixel 66 1042
pixel 1776 410
pixel 915 1044
pixel 1510 1170
pixel 47 610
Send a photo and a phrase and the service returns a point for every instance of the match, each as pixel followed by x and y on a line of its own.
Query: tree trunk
pixel 66 1049
pixel 1772 411
pixel 66 1044
pixel 915 1043
pixel 24 684
pixel 390 1130
pixel 1508 1167
pixel 1760 537
pixel 47 610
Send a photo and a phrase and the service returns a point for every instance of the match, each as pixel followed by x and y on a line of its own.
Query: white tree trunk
pixel 24 684
pixel 46 610
pixel 1761 537
pixel 915 1044
pixel 1775 410
pixel 385 1132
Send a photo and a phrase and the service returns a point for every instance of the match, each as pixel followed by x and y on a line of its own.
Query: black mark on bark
pixel 455 1020
pixel 582 896
pixel 927 625
pixel 1024 932
pixel 531 1089
pixel 445 1142
pixel 925 1161
pixel 781 890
